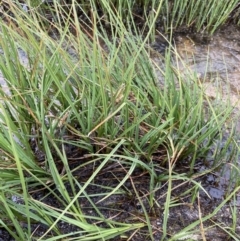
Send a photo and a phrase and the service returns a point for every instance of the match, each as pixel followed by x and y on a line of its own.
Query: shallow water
pixel 216 61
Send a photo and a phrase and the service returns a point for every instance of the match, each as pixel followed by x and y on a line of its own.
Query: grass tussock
pixel 87 107
pixel 200 16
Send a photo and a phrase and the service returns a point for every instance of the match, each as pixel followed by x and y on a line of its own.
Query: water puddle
pixel 216 61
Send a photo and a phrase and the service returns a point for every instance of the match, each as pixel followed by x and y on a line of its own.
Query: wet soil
pixel 215 59
pixel 126 206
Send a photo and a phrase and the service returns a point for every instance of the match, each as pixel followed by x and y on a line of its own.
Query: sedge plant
pixel 87 103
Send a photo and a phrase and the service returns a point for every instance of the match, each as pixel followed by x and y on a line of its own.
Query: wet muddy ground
pixel 126 207
pixel 216 61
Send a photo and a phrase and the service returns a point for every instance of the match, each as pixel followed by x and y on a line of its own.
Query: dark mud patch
pixel 133 201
